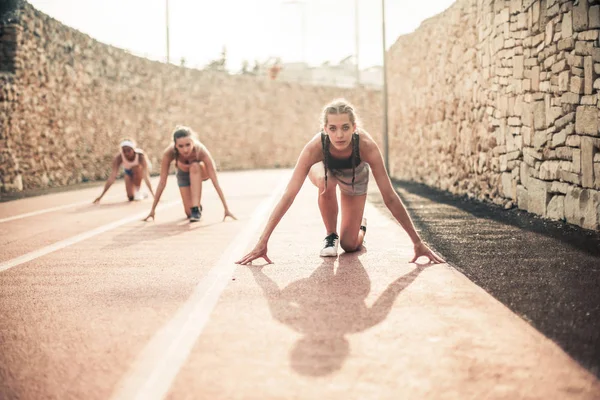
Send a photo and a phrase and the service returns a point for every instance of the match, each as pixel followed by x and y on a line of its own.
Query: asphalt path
pixel 97 304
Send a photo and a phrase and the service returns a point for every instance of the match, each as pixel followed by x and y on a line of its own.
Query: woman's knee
pixel 195 168
pixel 326 186
pixel 349 245
pixel 203 171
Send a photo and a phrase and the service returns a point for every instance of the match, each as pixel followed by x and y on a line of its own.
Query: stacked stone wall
pixel 67 100
pixel 496 99
pixel 499 100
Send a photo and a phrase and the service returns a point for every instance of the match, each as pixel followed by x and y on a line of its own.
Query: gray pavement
pixel 547 272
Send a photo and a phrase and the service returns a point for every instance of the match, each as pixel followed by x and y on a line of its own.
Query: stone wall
pixel 498 99
pixel 67 100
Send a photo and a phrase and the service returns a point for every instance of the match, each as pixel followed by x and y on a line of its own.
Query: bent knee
pixel 195 168
pixel 326 188
pixel 349 245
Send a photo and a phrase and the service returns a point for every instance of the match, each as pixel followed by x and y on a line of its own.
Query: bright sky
pixel 249 29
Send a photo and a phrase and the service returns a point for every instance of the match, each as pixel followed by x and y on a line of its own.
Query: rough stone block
pixel 586 121
pixel 590 35
pixel 535 13
pixel 576 85
pixel 564 153
pixel 507 186
pixel 565 120
pixel 573 140
pixel 583 48
pixel 588 71
pixel 558 139
pixel 590 209
pixel 567 25
pixel 594 17
pixel 582 207
pixel 559 187
pixel 538 196
pixel 522 197
pixel 552 114
pixel 526 134
pixel 566 44
pixel 571 177
pixel 549 33
pixel 587 162
pixel 574 60
pixel 502 17
pixel 571 205
pixel 549 170
pixel 559 66
pixel 535 78
pixel 570 98
pixel 539 115
pixel 556 208
pixel 518 67
pixel 580 16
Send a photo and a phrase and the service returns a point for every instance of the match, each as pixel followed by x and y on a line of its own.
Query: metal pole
pixel 356 47
pixel 385 94
pixel 167 25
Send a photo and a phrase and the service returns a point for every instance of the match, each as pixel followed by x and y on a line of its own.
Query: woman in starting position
pixel 194 165
pixel 341 155
pixel 136 167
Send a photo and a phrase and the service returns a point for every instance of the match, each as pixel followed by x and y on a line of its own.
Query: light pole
pixel 167 26
pixel 385 95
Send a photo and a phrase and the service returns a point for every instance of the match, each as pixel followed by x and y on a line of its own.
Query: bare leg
pixel 203 172
pixel 186 198
pixel 196 184
pixel 328 204
pixel 129 187
pixel 137 177
pixel 351 236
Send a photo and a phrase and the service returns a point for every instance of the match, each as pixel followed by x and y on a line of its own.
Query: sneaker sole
pixel 328 254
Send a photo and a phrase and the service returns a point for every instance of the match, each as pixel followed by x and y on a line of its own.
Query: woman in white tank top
pixel 136 167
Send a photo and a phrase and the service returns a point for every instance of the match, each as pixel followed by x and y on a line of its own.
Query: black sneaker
pixel 196 214
pixel 330 245
pixel 363 227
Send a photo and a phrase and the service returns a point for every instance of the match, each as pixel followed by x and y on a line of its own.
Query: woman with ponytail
pixel 194 165
pixel 341 155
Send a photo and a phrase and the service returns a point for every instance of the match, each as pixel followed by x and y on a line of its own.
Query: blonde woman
pixel 341 155
pixel 194 165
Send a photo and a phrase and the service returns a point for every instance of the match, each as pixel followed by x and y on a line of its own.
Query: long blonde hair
pixel 336 107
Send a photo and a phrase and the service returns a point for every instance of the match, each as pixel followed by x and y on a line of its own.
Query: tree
pixel 245 68
pixel 219 64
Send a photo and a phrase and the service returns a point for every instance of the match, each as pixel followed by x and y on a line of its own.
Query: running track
pixel 96 304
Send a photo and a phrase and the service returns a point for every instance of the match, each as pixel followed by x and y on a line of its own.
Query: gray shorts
pixel 361 179
pixel 183 178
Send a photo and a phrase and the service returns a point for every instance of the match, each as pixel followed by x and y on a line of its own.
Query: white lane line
pixel 155 368
pixel 47 210
pixel 78 238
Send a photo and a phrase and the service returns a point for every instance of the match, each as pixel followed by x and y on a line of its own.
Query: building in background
pixel 341 74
